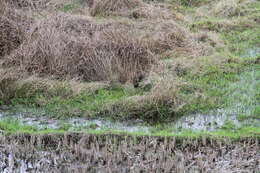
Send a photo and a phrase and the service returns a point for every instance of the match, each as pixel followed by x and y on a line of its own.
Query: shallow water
pixel 199 122
pixel 209 122
pixel 73 124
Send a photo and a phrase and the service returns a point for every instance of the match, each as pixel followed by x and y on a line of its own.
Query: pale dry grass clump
pixel 227 8
pixel 58 46
pixel 130 8
pixel 113 7
pixel 168 36
pixel 211 38
pixel 161 103
pixel 151 11
pixel 165 92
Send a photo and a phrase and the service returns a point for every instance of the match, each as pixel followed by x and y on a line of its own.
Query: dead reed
pixel 13 25
pixel 122 153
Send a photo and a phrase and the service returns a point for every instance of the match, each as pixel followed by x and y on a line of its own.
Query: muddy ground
pixel 120 153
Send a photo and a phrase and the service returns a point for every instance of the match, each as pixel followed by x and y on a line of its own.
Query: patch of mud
pixel 115 153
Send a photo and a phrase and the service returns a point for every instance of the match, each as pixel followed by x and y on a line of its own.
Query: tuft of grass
pixel 227 8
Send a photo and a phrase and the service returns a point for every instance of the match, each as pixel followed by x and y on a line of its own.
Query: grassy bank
pixel 188 62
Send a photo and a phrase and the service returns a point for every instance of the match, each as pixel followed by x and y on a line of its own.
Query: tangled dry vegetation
pixel 69 46
pixel 13 25
pixel 56 46
pixel 129 8
pixel 116 153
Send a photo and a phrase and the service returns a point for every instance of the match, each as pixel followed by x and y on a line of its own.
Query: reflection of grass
pixel 11 126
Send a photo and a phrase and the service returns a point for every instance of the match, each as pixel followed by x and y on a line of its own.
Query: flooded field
pixel 198 122
pixel 115 153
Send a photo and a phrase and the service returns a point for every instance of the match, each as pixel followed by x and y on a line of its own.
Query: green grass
pixel 219 88
pixel 83 104
pixel 13 126
pixel 216 84
pixel 221 85
pixel 240 41
pixel 212 86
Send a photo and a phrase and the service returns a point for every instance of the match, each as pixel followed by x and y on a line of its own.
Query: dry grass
pixel 159 104
pixel 227 8
pixel 13 24
pixel 128 8
pixel 210 37
pixel 113 7
pixel 167 35
pixel 58 46
pixel 150 11
pixel 65 46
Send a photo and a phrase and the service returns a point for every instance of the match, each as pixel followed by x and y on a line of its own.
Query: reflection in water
pixel 73 124
pixel 209 122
